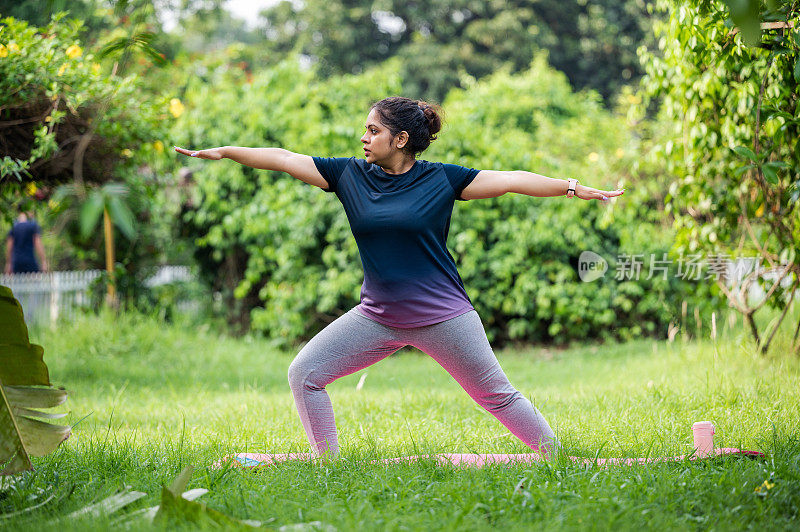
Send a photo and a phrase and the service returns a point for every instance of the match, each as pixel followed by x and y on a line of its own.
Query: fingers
pixel 184 151
pixel 604 195
pixel 190 153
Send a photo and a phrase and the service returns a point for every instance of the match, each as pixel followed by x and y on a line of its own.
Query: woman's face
pixel 379 143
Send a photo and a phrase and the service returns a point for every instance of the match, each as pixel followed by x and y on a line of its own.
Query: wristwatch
pixel 572 184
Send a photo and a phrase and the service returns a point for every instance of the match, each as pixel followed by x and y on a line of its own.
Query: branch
pixel 761 181
pixel 761 250
pixel 780 320
pixel 774 285
pixel 768 26
pixel 731 297
pixel 753 329
pixel 28 120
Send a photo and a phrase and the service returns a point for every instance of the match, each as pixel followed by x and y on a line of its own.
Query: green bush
pixel 52 90
pixel 285 250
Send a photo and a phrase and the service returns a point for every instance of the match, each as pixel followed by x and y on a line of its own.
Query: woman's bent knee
pixel 304 373
pixel 297 374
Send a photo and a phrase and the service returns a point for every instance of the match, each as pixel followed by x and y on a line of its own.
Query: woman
pixel 399 210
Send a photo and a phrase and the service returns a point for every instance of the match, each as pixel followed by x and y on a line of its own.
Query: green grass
pixel 159 397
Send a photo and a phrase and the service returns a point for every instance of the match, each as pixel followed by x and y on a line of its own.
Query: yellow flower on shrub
pixel 127 153
pixel 30 189
pixel 74 51
pixel 3 51
pixel 594 157
pixel 62 69
pixel 158 146
pixel 633 99
pixel 176 107
pixel 12 47
pixel 95 68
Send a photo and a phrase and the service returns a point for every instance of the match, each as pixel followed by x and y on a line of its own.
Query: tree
pixel 93 13
pixel 733 148
pixel 74 201
pixel 593 41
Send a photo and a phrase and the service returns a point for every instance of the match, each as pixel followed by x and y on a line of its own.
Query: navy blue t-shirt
pixel 23 259
pixel 400 223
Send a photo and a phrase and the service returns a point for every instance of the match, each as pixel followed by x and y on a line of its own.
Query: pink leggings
pixel 353 342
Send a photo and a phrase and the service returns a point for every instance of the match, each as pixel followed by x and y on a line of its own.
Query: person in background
pixel 23 243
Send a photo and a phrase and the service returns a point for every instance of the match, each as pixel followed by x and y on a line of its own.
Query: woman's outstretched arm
pixel 297 165
pixel 494 183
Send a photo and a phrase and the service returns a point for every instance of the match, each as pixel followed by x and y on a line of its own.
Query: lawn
pixel 150 398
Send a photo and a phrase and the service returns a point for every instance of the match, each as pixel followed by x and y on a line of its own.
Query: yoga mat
pixel 256 460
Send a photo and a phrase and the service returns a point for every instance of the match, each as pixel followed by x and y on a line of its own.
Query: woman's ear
pixel 402 139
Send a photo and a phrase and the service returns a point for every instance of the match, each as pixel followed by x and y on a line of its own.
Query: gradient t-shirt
pixel 400 223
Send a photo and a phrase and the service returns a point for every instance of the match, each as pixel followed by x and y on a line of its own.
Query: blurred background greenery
pixel 692 107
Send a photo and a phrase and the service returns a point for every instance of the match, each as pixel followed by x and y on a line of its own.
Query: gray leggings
pixel 353 342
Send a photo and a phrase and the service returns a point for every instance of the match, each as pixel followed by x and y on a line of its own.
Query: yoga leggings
pixel 353 342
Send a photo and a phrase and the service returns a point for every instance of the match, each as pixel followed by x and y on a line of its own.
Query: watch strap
pixel 572 184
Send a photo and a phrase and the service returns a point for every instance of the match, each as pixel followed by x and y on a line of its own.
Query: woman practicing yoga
pixel 399 209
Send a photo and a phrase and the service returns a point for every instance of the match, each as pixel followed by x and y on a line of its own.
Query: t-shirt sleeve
pixel 459 177
pixel 331 169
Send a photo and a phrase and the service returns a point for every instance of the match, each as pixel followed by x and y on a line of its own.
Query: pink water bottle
pixel 703 438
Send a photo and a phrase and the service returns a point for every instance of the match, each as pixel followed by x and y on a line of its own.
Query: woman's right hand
pixel 215 154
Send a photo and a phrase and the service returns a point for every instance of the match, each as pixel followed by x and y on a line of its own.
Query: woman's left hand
pixel 589 193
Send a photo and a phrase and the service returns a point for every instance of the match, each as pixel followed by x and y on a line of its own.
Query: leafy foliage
pixel 53 96
pixel 733 142
pixel 594 42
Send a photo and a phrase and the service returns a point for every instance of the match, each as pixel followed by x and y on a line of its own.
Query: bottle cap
pixel 703 425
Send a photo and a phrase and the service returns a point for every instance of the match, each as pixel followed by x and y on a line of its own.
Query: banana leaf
pixel 12 451
pixel 174 508
pixel 21 363
pixel 12 327
pixel 24 387
pixel 109 505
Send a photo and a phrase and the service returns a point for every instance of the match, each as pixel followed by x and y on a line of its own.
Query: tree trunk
pixel 753 329
pixel 111 294
pixel 765 348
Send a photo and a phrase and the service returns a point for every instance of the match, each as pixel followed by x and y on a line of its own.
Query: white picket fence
pixel 47 297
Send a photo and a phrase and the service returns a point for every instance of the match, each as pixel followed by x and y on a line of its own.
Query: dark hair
pixel 419 119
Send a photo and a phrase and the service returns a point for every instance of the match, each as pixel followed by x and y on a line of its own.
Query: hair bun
pixel 432 118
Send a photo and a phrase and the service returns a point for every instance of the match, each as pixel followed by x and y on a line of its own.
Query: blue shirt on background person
pixel 23 242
